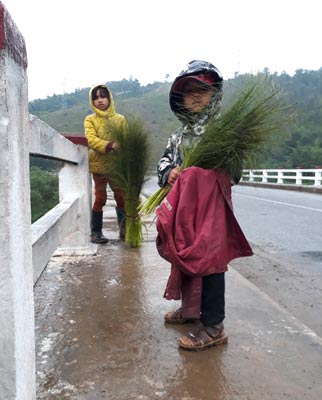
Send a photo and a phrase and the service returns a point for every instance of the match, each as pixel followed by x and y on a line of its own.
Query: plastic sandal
pixel 175 317
pixel 203 337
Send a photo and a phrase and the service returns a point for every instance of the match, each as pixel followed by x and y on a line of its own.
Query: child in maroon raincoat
pixel 197 230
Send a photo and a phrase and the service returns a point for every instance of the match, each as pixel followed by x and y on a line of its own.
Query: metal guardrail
pixel 298 176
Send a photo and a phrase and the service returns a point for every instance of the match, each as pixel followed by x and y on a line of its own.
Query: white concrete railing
pixel 65 228
pixel 298 176
pixel 24 249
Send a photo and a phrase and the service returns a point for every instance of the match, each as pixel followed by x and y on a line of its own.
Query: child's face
pixel 196 96
pixel 101 102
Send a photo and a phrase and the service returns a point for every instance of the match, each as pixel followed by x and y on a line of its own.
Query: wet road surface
pixel 100 335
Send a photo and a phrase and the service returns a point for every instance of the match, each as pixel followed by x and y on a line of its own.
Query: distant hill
pixel 66 113
pixel 303 147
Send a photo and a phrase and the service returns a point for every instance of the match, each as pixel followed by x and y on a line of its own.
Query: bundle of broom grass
pixel 235 138
pixel 129 170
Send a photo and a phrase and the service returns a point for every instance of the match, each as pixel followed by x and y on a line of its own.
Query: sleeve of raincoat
pixel 166 163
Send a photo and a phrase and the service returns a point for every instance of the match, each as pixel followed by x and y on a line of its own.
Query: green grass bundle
pixel 234 139
pixel 129 170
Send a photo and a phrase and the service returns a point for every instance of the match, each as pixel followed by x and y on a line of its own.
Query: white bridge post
pixel 17 337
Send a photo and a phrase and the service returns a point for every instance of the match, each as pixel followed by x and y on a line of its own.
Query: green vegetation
pixel 44 192
pixel 129 172
pixel 43 186
pixel 302 147
pixel 233 139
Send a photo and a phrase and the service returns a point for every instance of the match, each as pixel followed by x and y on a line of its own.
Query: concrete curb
pixel 298 188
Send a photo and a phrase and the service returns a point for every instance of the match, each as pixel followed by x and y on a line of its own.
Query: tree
pixel 43 191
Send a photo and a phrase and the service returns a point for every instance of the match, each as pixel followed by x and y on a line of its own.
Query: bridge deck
pixel 101 335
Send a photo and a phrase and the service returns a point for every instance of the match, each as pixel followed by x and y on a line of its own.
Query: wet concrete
pixel 100 335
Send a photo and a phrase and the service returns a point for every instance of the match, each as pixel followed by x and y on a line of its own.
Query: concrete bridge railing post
pixel 17 338
pixel 76 179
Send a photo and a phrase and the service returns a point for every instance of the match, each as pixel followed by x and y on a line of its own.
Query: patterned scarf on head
pixel 194 126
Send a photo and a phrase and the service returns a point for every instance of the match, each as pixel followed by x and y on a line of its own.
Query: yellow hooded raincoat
pixel 97 131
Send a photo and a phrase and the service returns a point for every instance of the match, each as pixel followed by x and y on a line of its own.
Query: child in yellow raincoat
pixel 102 150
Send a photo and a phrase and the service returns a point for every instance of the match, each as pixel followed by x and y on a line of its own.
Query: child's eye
pixel 200 90
pixel 203 90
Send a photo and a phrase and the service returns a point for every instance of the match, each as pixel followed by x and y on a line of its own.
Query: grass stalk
pixel 130 167
pixel 234 139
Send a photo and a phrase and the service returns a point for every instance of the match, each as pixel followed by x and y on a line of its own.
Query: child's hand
pixel 173 175
pixel 115 146
pixel 112 146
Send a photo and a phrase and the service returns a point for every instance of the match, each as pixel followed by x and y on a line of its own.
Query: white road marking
pixel 279 202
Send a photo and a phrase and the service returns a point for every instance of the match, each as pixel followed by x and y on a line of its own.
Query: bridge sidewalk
pixel 101 335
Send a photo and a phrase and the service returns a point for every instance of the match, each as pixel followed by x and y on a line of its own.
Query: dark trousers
pixel 213 299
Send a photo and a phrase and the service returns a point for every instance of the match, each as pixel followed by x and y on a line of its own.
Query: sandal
pixel 175 317
pixel 203 337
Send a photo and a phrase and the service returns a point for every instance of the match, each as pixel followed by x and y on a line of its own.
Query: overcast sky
pixel 77 43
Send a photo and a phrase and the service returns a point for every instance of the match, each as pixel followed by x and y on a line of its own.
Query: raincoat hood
pixel 111 108
pixel 176 99
pixel 98 128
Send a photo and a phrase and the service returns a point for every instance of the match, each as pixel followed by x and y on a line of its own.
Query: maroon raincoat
pixel 197 230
